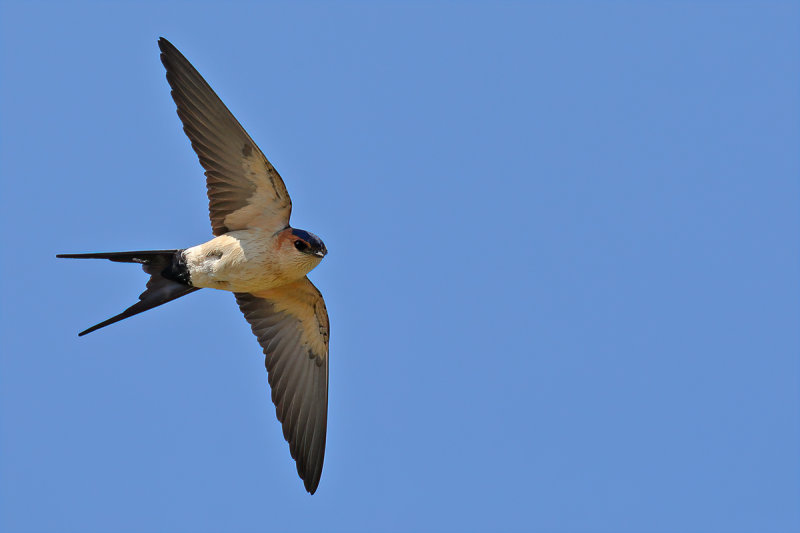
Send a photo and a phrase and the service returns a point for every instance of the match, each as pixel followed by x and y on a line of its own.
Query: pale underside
pixel 250 260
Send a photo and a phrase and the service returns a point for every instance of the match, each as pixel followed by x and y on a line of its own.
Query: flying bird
pixel 256 255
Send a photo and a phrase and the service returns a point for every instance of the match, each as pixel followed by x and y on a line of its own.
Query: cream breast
pixel 246 261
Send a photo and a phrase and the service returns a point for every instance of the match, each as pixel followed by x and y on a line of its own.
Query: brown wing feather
pixel 244 190
pixel 291 324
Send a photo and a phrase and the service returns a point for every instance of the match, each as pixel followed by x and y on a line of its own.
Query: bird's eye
pixel 300 245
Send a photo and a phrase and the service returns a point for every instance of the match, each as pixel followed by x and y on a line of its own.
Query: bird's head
pixel 301 249
pixel 307 243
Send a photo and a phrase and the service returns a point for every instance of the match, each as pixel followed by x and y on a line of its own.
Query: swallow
pixel 256 255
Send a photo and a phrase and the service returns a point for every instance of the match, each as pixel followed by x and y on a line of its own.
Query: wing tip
pixel 311 481
pixel 169 54
pixel 164 44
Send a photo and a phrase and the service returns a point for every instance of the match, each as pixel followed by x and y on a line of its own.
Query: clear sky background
pixel 563 276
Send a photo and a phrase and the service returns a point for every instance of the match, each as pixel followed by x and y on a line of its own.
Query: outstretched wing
pixel 291 324
pixel 244 190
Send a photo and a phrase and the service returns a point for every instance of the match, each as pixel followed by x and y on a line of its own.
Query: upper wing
pixel 244 190
pixel 291 324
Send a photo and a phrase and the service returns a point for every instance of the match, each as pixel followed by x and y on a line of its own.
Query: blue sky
pixel 562 279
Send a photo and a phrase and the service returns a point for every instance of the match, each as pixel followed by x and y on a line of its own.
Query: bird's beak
pixel 321 253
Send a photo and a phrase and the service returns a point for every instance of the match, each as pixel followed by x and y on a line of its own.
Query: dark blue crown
pixel 313 241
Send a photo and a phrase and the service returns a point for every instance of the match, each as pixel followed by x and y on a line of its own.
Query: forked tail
pixel 169 279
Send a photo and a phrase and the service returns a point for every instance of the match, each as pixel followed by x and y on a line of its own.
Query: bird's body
pixel 256 255
pixel 249 260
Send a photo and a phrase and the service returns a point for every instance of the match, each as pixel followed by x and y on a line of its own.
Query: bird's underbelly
pixel 235 264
